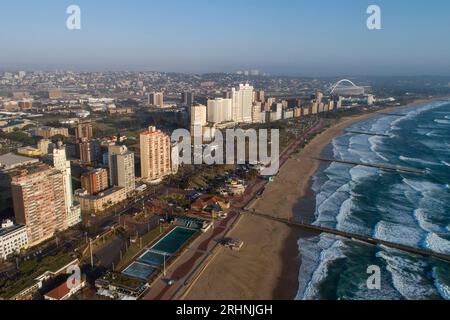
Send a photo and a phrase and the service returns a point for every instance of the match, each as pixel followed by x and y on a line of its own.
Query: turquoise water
pixel 172 242
pixel 153 258
pixel 398 207
pixel 139 270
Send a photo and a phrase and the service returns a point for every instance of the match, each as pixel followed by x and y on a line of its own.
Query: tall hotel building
pixel 155 155
pixel 39 201
pixel 242 101
pixel 220 110
pixel 121 168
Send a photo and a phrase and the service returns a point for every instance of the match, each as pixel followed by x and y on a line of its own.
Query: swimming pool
pixel 139 270
pixel 174 240
pixel 153 259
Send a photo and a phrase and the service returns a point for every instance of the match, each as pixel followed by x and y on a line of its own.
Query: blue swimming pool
pixel 153 259
pixel 174 240
pixel 139 270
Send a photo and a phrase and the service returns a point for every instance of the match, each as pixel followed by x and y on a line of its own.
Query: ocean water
pixel 398 207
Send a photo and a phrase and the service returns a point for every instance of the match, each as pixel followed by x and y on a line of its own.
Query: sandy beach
pixel 268 265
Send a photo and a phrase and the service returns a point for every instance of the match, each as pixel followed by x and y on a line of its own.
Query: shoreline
pixel 268 266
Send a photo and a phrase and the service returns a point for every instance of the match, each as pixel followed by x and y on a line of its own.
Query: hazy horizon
pixel 301 38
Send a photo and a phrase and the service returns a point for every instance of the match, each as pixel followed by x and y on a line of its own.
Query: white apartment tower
pixel 242 101
pixel 198 116
pixel 61 163
pixel 220 110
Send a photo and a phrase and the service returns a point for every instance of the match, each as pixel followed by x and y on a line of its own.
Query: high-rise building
pixel 155 155
pixel 95 181
pixel 89 151
pixel 61 163
pixel 198 116
pixel 187 99
pixel 121 168
pixel 39 201
pixel 256 112
pixel 156 99
pixel 242 102
pixel 220 110
pixel 261 96
pixel 84 130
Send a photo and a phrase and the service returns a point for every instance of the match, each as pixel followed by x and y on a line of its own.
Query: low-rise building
pixel 64 291
pixel 95 204
pixel 13 238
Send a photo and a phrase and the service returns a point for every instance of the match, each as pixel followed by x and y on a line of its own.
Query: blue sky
pixel 295 37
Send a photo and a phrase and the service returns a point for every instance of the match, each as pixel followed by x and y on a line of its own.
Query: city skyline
pixel 320 39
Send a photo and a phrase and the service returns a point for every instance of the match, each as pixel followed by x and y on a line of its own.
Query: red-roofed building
pixel 63 292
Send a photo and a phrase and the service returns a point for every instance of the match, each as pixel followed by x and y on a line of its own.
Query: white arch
pixel 340 82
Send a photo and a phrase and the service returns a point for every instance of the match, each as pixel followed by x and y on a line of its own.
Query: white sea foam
pixel 440 121
pixel 327 257
pixel 311 251
pixel 438 244
pixel 421 161
pixel 375 142
pixel 424 222
pixel 407 276
pixel 443 289
pixel 398 233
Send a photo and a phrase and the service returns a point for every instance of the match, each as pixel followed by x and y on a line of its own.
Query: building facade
pixel 95 181
pixel 13 238
pixel 39 201
pixel 121 168
pixel 61 163
pixel 155 155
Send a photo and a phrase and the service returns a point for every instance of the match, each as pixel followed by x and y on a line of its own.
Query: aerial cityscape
pixel 190 167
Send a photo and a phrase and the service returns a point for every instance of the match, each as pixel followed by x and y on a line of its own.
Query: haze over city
pixel 301 38
pixel 226 150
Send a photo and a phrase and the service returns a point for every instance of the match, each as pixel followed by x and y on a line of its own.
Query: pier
pixel 307 225
pixel 368 133
pixel 392 114
pixel 384 167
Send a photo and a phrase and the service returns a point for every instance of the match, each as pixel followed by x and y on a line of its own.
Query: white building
pixel 242 102
pixel 198 116
pixel 61 163
pixel 12 238
pixel 220 110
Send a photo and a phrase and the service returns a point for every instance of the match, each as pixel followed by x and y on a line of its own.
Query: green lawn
pixel 30 270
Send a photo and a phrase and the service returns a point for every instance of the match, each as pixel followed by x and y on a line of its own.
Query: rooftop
pixel 5 231
pixel 10 161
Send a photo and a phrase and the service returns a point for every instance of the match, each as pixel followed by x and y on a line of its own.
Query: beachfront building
pixel 155 155
pixel 39 201
pixel 220 110
pixel 242 102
